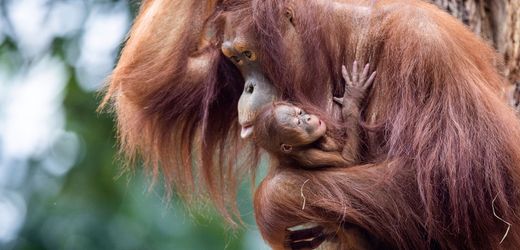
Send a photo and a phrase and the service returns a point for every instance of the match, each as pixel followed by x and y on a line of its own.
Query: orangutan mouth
pixel 247 130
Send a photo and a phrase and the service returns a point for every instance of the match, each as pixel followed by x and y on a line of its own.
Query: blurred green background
pixel 61 185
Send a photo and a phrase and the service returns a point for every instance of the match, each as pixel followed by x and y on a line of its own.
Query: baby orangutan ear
pixel 286 148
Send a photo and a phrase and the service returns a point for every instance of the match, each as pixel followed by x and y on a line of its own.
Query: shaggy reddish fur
pixel 442 146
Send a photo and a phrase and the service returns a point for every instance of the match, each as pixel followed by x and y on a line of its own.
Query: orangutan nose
pixel 237 52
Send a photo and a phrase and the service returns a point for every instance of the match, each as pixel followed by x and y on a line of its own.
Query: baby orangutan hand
pixel 355 87
pixel 355 90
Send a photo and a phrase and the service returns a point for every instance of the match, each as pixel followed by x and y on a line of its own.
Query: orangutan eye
pixel 301 112
pixel 235 59
pixel 248 53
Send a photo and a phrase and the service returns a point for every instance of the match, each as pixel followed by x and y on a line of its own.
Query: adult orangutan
pixel 440 143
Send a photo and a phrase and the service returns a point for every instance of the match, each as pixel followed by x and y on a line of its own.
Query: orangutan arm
pixel 355 90
pixel 330 203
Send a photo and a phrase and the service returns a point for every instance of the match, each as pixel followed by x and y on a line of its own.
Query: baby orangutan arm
pixel 313 157
pixel 355 90
pixel 328 144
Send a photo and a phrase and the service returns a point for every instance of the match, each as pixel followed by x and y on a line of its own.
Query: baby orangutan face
pixel 307 127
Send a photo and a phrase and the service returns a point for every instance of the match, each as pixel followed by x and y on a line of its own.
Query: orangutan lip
pixel 247 130
pixel 246 124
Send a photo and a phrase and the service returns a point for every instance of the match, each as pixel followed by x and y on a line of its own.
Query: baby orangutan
pixel 289 133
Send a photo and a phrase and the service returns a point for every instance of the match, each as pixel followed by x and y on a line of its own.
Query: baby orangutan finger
pixel 364 74
pixel 344 72
pixel 370 80
pixel 355 76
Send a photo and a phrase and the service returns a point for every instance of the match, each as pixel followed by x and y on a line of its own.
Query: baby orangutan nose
pixel 312 120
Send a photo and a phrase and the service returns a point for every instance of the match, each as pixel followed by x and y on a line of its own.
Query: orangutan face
pixel 307 127
pixel 239 45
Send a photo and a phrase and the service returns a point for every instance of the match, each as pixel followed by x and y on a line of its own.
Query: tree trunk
pixel 497 21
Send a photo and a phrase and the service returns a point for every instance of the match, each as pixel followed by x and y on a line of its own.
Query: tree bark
pixel 497 21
